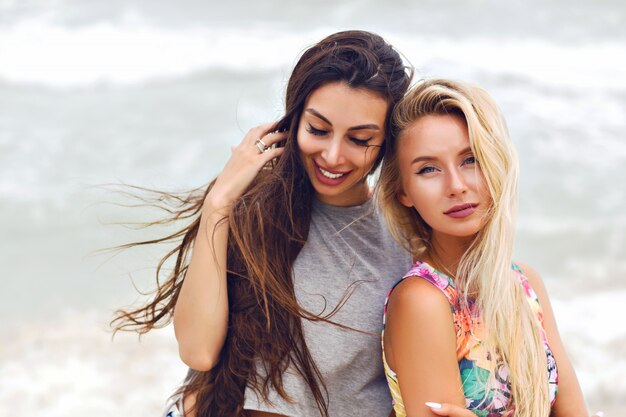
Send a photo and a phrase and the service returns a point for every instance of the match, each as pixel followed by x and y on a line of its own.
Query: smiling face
pixel 441 178
pixel 340 134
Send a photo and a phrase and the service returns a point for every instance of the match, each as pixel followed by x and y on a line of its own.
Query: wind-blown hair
pixel 511 328
pixel 268 226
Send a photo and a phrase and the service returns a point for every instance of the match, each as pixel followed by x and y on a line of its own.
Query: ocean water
pixel 155 93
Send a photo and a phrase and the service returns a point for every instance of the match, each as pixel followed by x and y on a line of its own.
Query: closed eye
pixel 361 142
pixel 317 132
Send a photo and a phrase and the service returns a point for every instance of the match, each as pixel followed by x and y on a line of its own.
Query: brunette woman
pixel 278 285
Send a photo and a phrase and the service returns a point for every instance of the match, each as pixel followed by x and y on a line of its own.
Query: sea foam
pixel 38 51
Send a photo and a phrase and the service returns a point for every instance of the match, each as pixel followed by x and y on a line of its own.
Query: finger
pixel 271 138
pixel 270 154
pixel 449 410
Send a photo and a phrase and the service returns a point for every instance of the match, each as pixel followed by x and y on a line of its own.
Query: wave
pixel 592 333
pixel 69 366
pixel 592 64
pixel 40 52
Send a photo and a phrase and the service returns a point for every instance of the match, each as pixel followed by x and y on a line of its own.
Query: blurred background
pixel 154 93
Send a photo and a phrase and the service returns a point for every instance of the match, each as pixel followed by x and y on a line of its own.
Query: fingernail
pixel 600 413
pixel 437 405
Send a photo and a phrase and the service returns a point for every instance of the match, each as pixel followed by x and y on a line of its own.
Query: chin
pixel 463 234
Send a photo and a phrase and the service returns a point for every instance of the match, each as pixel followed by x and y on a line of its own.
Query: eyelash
pixel 473 160
pixel 429 169
pixel 316 132
pixel 425 170
pixel 320 132
pixel 360 142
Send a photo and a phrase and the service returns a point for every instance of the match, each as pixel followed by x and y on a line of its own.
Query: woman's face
pixel 441 178
pixel 339 135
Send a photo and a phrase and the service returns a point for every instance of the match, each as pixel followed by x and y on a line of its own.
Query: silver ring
pixel 260 145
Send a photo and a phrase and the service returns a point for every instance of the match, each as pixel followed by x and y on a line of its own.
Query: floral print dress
pixel 473 361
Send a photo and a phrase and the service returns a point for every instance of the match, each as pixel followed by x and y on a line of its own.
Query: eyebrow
pixel 317 114
pixel 432 158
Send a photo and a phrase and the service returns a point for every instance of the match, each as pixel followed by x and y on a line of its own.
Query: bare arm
pixel 569 399
pixel 420 346
pixel 201 312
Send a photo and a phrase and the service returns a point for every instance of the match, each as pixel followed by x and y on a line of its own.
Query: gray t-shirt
pixel 345 245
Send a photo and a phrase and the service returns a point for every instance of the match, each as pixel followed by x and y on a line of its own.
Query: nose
pixel 333 152
pixel 457 185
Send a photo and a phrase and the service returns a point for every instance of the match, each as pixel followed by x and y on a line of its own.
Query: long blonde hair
pixel 511 328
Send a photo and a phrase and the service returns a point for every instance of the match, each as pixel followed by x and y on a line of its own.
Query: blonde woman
pixel 466 326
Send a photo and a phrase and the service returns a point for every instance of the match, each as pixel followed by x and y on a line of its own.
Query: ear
pixel 403 198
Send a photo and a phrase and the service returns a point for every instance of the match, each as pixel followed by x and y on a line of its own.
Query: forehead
pixel 434 134
pixel 345 106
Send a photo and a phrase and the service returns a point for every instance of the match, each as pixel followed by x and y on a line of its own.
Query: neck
pixel 355 197
pixel 446 251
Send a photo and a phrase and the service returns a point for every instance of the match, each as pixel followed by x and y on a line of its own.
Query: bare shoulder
pixel 535 280
pixel 530 273
pixel 417 311
pixel 416 300
pixel 415 296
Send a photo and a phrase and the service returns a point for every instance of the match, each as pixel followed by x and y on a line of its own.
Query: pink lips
pixel 461 210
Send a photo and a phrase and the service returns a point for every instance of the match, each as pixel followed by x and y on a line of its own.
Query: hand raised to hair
pixel 244 164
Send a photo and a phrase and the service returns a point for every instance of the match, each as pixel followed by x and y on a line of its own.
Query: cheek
pixel 482 190
pixel 428 189
pixel 481 185
pixel 419 192
pixel 476 180
pixel 426 210
pixel 305 144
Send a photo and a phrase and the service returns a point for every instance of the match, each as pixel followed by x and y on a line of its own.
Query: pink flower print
pixel 431 275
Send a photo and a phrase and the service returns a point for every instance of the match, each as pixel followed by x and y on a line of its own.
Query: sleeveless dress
pixel 473 362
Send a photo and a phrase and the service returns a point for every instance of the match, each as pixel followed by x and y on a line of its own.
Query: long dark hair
pixel 269 225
